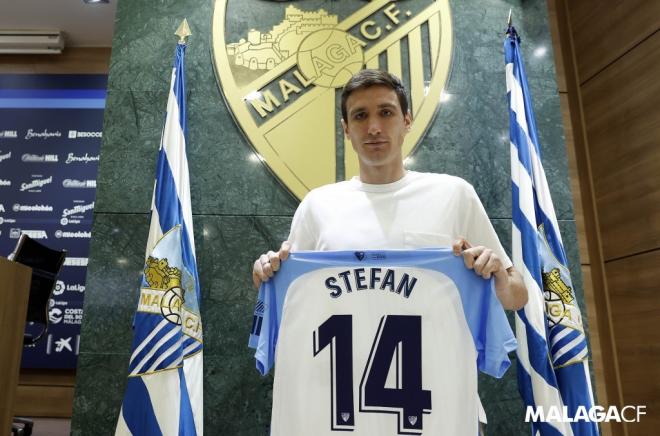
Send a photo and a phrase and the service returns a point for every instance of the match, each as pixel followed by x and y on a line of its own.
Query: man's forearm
pixel 510 289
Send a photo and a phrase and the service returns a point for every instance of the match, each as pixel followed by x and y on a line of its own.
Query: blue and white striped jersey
pixel 378 342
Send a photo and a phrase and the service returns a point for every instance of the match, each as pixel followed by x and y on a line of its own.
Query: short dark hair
pixel 367 78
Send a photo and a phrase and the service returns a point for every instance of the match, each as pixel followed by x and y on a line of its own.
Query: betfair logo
pixel 282 81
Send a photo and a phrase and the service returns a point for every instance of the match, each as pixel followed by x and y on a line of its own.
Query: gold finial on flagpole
pixel 509 21
pixel 183 31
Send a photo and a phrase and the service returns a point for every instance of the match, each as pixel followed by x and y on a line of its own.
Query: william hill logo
pixel 282 81
pixel 40 158
pixel 9 134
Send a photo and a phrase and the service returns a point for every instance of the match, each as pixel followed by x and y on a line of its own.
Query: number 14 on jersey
pixel 397 344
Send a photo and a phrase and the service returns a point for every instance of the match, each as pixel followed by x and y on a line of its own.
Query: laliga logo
pixel 60 287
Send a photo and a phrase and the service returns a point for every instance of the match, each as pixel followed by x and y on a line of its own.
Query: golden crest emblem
pixel 282 77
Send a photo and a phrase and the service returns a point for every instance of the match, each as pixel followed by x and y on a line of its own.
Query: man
pixel 388 207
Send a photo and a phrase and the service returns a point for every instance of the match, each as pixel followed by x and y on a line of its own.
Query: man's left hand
pixel 509 286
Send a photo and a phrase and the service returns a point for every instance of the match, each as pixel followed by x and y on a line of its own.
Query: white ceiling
pixel 83 25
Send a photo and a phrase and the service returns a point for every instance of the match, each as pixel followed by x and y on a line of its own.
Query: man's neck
pixel 381 176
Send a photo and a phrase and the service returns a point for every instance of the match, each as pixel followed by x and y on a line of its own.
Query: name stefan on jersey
pixel 361 279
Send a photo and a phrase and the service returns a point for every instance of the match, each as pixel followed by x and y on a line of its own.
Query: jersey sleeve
pixel 265 327
pixel 493 338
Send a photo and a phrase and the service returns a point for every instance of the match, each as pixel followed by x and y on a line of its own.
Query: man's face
pixel 376 127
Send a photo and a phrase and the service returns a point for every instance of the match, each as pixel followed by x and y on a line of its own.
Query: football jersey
pixel 378 342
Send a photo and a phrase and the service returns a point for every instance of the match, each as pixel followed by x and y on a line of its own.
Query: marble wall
pixel 240 210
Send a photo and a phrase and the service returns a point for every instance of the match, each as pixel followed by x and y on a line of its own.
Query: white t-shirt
pixel 383 342
pixel 421 210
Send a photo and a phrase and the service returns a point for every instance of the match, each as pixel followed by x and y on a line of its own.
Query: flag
pixel 164 390
pixel 553 371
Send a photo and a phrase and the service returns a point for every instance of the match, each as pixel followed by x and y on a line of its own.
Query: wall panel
pixel 605 31
pixel 622 116
pixel 634 285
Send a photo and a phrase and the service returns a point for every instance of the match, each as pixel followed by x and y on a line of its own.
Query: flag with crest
pixel 164 390
pixel 553 369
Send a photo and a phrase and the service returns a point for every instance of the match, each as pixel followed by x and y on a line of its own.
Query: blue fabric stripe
pixel 144 324
pixel 180 86
pixel 538 352
pixel 574 392
pixel 519 140
pixel 170 212
pixel 190 341
pixel 525 389
pixel 564 341
pixel 138 411
pixel 566 357
pixel 162 348
pixel 186 419
pixel 512 55
pixel 529 237
pixel 159 352
pixel 52 103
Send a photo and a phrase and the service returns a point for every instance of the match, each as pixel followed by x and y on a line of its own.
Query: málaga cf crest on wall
pixel 281 67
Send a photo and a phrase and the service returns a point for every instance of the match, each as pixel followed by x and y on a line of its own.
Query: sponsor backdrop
pixel 241 207
pixel 50 136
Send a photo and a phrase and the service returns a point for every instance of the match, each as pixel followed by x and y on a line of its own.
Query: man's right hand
pixel 267 264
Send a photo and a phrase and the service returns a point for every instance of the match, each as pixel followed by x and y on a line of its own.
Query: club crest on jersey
pixel 282 76
pixel 412 420
pixel 345 416
pixel 359 255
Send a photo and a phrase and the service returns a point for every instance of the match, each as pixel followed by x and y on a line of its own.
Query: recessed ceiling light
pixel 89 2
